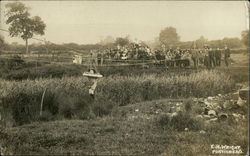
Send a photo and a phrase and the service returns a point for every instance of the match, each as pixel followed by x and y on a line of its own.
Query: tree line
pixel 21 24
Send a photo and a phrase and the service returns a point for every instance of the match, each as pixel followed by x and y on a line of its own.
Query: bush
pixel 68 97
pixel 179 122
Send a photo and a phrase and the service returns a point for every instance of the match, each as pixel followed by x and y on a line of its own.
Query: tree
pixel 201 42
pixel 232 42
pixel 21 24
pixel 122 41
pixel 169 36
pixel 245 37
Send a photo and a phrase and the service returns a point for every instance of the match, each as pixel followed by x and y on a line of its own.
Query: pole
pixel 41 106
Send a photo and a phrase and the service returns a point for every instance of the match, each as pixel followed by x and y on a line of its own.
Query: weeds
pixel 68 97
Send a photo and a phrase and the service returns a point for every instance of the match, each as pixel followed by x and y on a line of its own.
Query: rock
pixel 218 108
pixel 241 102
pixel 206 116
pixel 223 116
pixel 227 104
pixel 237 117
pixel 174 114
pixel 198 116
pixel 214 119
pixel 178 109
pixel 210 98
pixel 243 93
pixel 202 132
pixel 186 129
pixel 211 113
pixel 178 104
pixel 206 111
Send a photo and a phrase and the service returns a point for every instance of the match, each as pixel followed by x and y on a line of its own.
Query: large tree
pixel 245 37
pixel 122 41
pixel 21 24
pixel 169 36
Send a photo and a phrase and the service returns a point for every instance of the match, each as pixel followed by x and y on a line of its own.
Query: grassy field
pixel 68 97
pixel 129 116
pixel 139 129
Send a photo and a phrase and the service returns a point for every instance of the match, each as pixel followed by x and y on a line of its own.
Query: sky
pixel 87 22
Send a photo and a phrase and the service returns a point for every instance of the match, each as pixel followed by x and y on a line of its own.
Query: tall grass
pixel 68 97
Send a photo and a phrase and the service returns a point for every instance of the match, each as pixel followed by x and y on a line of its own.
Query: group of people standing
pixel 210 57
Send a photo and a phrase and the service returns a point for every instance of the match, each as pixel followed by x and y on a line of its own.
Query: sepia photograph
pixel 165 78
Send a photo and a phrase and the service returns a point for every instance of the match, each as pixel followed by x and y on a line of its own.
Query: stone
pixel 210 98
pixel 227 104
pixel 202 132
pixel 186 129
pixel 206 111
pixel 178 104
pixel 211 113
pixel 174 114
pixel 198 116
pixel 218 108
pixel 243 93
pixel 178 109
pixel 214 119
pixel 241 102
pixel 223 116
pixel 206 116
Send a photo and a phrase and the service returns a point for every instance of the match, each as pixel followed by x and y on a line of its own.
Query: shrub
pixel 179 122
pixel 184 120
pixel 69 96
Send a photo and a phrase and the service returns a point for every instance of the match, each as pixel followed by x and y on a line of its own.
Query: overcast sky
pixel 86 22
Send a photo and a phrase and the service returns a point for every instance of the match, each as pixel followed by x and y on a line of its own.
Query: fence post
pixel 41 106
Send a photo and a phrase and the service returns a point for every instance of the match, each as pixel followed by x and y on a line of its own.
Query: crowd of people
pixel 207 56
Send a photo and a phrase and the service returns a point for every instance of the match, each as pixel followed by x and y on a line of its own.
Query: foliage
pixel 21 24
pixel 122 41
pixel 245 37
pixel 179 122
pixel 121 136
pixel 68 97
pixel 169 36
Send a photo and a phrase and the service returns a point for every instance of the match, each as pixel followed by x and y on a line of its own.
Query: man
pixel 194 56
pixel 211 55
pixel 93 61
pixel 218 57
pixel 227 55
pixel 206 58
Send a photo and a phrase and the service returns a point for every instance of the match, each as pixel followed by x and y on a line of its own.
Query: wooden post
pixel 41 107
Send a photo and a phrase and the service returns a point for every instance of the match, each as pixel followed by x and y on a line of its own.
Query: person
pixel 93 87
pixel 206 58
pixel 194 56
pixel 211 56
pixel 93 61
pixel 218 57
pixel 226 55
